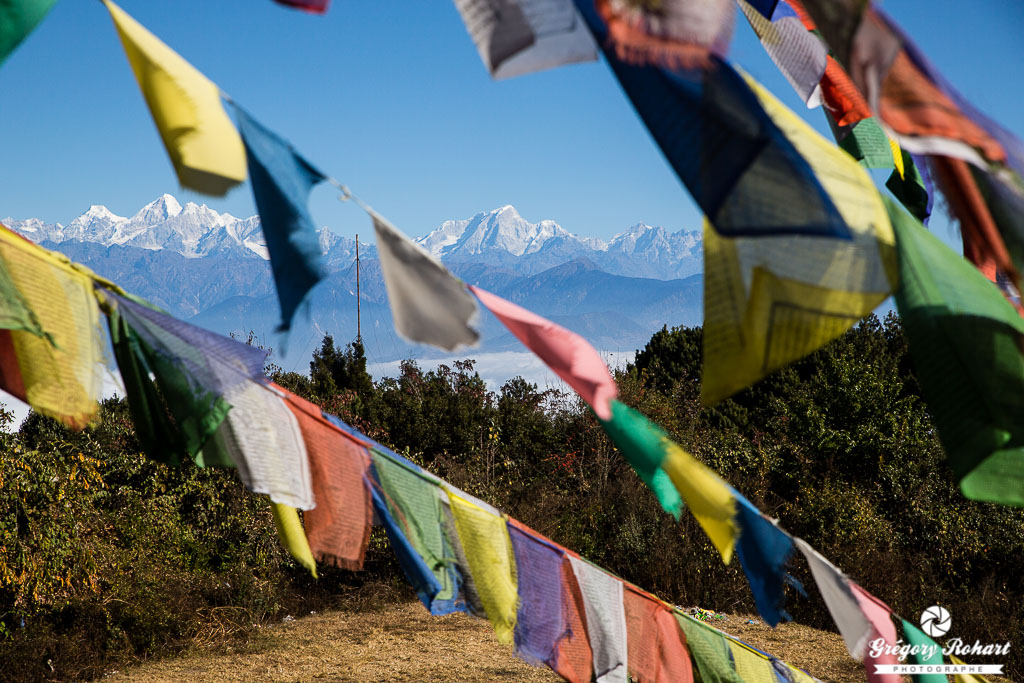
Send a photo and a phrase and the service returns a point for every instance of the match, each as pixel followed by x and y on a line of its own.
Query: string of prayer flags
pixel 673 33
pixel 606 620
pixel 656 651
pixel 741 169
pixel 311 6
pixel 837 591
pixel 880 617
pixel 18 18
pixel 709 650
pixel 281 181
pixel 50 355
pixel 764 551
pixel 338 528
pixel 293 538
pixel 950 311
pixel 429 304
pixel 204 147
pixel 517 37
pixel 799 54
pixel 568 354
pixel 643 445
pixel 413 500
pixel 491 562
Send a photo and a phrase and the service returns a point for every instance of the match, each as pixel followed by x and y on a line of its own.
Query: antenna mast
pixel 359 322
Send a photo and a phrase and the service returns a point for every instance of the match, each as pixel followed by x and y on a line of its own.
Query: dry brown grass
pixel 402 642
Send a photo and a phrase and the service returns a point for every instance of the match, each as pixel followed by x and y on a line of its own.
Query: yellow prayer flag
pixel 751 666
pixel 204 146
pixel 771 300
pixel 966 678
pixel 708 497
pixel 897 155
pixel 798 675
pixel 488 548
pixel 61 379
pixel 292 535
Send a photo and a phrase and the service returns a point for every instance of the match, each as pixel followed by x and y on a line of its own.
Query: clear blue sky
pixel 391 98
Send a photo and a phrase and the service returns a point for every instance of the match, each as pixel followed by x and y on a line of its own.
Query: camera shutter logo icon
pixel 935 621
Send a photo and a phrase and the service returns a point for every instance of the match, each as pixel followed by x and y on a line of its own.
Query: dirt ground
pixel 402 642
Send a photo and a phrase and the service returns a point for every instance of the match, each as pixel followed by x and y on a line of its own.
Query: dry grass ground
pixel 402 642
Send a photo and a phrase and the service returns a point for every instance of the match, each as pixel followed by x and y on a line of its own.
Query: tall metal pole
pixel 359 321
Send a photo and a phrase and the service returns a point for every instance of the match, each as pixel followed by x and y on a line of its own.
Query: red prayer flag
pixel 313 6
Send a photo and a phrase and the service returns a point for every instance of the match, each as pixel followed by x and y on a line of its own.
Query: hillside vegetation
pixel 107 557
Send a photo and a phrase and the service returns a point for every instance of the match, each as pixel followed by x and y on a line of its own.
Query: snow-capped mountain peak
pixel 157 211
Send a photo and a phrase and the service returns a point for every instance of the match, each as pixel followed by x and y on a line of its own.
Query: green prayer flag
pixel 930 652
pixel 867 142
pixel 965 340
pixel 412 498
pixel 178 419
pixel 709 650
pixel 17 19
pixel 910 189
pixel 642 444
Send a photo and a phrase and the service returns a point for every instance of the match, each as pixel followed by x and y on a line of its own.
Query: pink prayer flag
pixel 568 354
pixel 880 616
pixel 314 6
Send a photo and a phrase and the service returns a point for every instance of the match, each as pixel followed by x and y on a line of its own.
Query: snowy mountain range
pixel 212 267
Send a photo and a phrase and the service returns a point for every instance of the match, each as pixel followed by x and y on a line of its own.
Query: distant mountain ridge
pixel 212 268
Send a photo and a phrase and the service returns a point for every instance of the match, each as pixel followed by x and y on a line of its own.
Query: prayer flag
pixel 289 530
pixel 203 145
pixel 606 620
pixel 916 637
pixel 338 528
pixel 160 437
pixel 312 6
pixel 413 498
pixel 965 342
pixel 764 551
pixel 709 650
pixel 673 34
pixel 18 18
pixel 751 666
pixel 643 445
pixel 771 300
pixel 262 438
pixel 57 372
pixel 880 617
pixel 281 181
pixel 516 37
pixel 839 597
pixel 838 21
pixel 575 656
pixel 742 170
pixel 568 354
pixel 965 678
pixel 711 500
pixel 799 54
pixel 655 641
pixel 428 303
pixel 194 369
pixel 485 541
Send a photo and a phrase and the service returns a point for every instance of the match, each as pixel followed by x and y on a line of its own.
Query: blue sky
pixel 391 98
